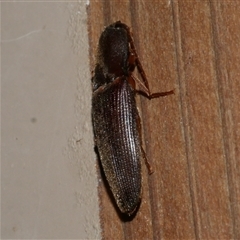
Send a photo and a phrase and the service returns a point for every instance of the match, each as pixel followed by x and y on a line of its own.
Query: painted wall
pixel 48 177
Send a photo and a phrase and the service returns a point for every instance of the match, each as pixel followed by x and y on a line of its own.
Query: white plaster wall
pixel 48 169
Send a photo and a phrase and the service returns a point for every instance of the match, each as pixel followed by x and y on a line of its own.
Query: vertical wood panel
pixel 226 30
pixel 203 125
pixel 191 138
pixel 169 185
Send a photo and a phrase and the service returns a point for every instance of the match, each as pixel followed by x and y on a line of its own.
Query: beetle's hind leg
pixel 149 167
pixel 147 163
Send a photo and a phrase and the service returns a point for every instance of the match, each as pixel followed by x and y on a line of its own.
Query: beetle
pixel 116 122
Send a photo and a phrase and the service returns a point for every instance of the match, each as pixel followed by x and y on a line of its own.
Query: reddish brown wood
pixel 191 138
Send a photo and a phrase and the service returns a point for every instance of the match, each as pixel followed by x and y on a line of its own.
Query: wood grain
pixel 192 138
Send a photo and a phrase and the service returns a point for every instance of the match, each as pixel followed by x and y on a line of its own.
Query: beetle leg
pixel 147 163
pixel 154 95
pixel 133 51
pixel 144 83
pixel 146 92
pixel 131 61
pixel 149 167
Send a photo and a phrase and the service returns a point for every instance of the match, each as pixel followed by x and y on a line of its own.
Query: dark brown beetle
pixel 116 122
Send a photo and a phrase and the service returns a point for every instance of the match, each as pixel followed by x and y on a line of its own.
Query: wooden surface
pixel 192 138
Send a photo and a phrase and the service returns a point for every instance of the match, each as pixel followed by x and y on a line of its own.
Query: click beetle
pixel 116 122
